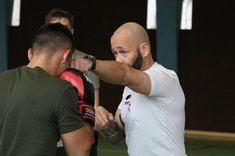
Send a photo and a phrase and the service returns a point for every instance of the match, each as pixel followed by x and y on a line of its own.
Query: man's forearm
pixel 112 72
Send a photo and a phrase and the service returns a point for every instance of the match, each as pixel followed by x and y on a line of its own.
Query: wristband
pixel 93 61
pixel 88 113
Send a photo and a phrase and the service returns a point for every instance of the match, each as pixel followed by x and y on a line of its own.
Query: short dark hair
pixel 59 13
pixel 53 37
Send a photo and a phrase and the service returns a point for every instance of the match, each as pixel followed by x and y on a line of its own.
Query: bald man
pixel 151 111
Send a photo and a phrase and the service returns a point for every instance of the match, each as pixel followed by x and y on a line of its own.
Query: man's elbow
pixel 113 133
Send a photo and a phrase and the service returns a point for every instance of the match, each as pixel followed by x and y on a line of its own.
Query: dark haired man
pixel 36 107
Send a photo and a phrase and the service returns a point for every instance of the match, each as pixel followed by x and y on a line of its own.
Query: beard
pixel 138 61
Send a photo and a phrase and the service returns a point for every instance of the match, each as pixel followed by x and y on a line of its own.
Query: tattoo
pixel 113 133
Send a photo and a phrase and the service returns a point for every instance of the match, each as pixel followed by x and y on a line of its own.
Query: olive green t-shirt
pixel 35 108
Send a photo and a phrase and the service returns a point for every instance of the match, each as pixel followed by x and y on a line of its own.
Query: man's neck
pixel 146 65
pixel 44 66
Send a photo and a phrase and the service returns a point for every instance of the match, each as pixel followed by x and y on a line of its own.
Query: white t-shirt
pixel 154 124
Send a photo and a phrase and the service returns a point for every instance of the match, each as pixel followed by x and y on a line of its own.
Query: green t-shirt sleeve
pixel 68 117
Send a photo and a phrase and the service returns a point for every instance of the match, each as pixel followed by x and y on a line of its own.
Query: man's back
pixel 32 112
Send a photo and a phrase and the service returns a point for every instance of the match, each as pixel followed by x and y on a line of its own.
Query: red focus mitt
pixel 85 91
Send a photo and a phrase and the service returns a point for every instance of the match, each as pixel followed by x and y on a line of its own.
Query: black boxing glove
pixel 85 91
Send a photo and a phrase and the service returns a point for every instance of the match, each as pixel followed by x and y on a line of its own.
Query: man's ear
pixel 145 49
pixel 30 54
pixel 66 56
pixel 72 30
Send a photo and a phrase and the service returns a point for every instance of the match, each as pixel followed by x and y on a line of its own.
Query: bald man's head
pixel 133 30
pixel 130 45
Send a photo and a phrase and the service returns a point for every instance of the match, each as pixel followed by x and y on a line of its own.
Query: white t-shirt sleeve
pixel 163 84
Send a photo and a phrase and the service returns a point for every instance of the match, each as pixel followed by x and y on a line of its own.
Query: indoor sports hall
pixel 194 38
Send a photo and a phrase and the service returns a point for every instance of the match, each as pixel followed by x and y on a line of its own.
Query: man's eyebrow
pixel 118 48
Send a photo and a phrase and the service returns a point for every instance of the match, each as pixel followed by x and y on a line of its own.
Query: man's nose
pixel 119 59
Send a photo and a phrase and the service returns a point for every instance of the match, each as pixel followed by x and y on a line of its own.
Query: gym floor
pixel 194 147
